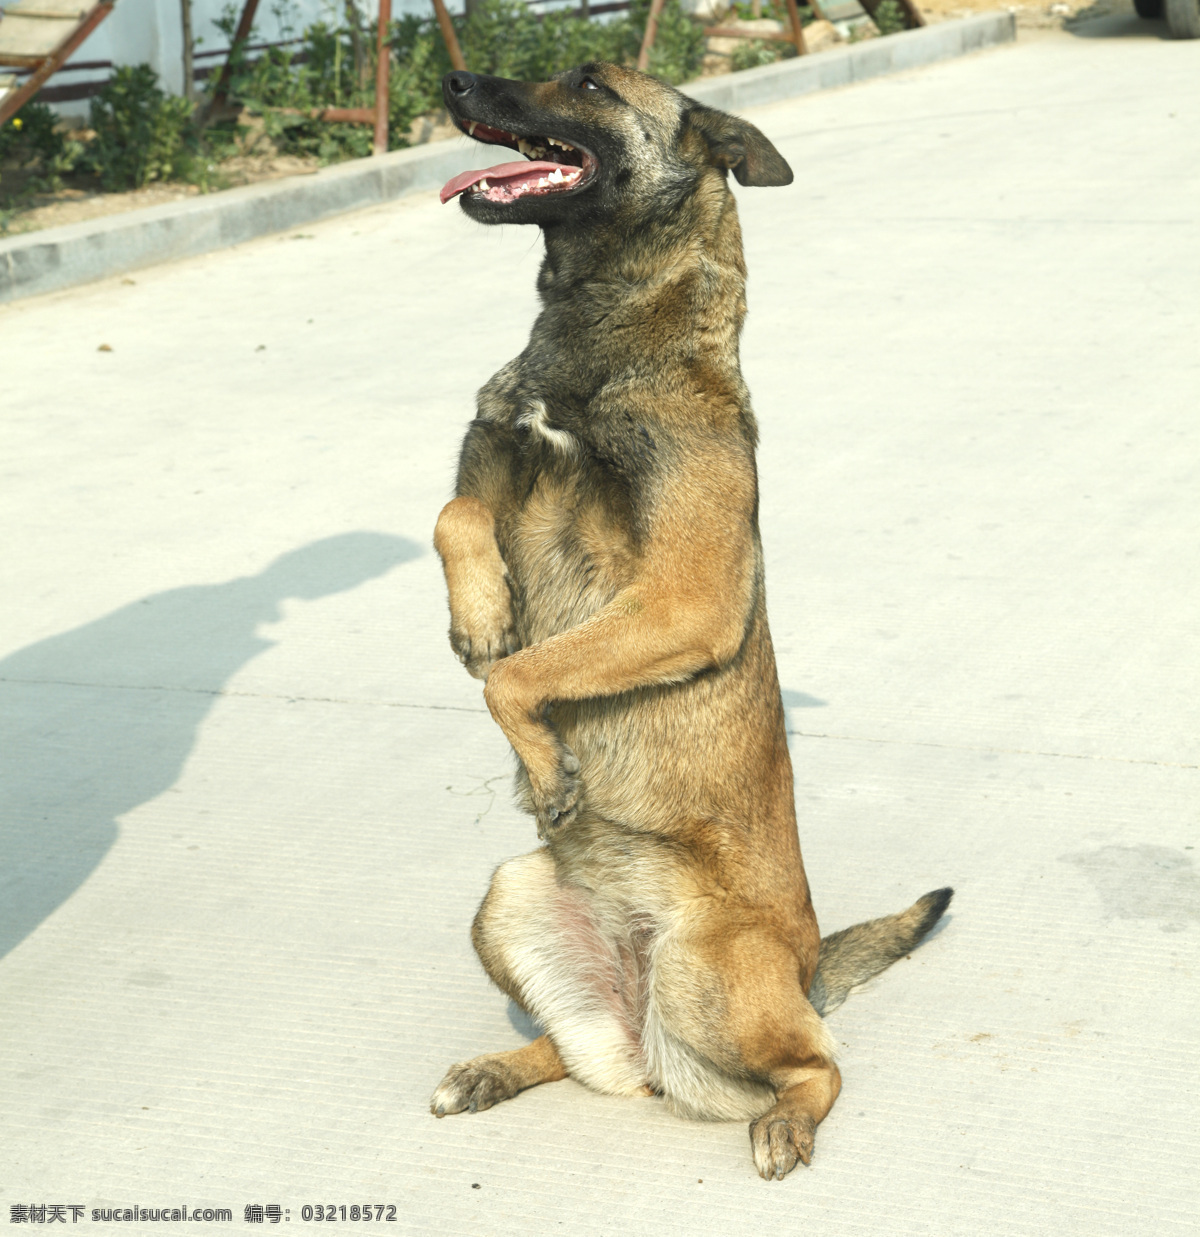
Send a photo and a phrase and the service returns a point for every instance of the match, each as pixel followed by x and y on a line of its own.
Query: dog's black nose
pixel 460 82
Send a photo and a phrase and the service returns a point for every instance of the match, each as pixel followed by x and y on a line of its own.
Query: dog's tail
pixel 854 955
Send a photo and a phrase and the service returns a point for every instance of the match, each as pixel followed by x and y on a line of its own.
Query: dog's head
pixel 599 143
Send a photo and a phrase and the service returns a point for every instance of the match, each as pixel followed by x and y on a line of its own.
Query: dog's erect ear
pixel 740 148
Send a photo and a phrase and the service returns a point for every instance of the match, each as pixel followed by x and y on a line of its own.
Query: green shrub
pixel 419 60
pixel 283 91
pixel 890 17
pixel 777 12
pixel 33 143
pixel 142 135
pixel 678 46
pixel 283 86
pixel 501 37
pixel 31 136
pixel 754 53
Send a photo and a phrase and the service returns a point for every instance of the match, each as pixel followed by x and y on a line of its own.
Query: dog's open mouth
pixel 552 167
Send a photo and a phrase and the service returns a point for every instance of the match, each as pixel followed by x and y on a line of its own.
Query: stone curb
pixel 100 248
pixel 841 66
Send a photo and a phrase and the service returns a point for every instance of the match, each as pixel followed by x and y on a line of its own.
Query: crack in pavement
pixel 460 708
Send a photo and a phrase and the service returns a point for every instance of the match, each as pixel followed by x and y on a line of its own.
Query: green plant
pixel 31 135
pixel 774 11
pixel 419 60
pixel 34 144
pixel 508 39
pixel 753 53
pixel 678 45
pixel 335 66
pixel 889 17
pixel 142 135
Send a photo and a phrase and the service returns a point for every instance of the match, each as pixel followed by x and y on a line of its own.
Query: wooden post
pixel 189 68
pixel 448 35
pixel 217 103
pixel 643 60
pixel 797 28
pixel 354 23
pixel 383 64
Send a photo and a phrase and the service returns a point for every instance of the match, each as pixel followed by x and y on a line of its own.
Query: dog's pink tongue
pixel 500 173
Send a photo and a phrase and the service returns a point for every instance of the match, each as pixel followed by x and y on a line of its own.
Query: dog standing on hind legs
pixel 605 579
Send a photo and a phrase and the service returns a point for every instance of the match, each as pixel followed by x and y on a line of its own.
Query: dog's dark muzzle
pixel 457 85
pixel 498 112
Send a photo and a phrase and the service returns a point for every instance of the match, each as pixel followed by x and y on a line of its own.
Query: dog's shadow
pixel 521 1022
pixel 798 700
pixel 98 720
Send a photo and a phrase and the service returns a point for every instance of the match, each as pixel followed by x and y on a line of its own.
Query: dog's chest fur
pixel 579 483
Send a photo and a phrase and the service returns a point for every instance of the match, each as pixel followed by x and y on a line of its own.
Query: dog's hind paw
pixel 473 1087
pixel 779 1143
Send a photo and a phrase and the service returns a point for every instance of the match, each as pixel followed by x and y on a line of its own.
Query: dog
pixel 605 578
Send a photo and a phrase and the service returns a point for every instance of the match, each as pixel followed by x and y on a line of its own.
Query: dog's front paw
pixel 473 1087
pixel 557 803
pixel 479 648
pixel 779 1143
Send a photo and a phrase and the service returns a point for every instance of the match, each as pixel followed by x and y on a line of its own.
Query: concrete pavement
pixel 252 802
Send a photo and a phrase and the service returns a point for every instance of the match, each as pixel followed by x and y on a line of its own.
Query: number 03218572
pixel 352 1211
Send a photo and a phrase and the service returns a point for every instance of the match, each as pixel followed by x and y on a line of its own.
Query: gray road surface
pixel 251 801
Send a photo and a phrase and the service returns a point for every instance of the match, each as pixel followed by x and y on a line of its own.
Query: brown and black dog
pixel 605 576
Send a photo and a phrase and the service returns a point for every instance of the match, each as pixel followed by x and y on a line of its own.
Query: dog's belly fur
pixel 605 963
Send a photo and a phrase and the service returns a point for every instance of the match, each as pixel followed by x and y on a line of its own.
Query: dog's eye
pixel 588 84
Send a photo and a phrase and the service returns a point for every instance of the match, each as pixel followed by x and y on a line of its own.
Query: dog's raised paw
pixel 558 808
pixel 779 1143
pixel 473 1087
pixel 480 652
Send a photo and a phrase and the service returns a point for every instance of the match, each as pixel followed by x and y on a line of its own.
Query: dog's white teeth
pixel 483 186
pixel 555 177
pixel 471 127
pixel 524 147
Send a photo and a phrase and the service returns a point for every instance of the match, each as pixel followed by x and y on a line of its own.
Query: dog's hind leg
pixel 733 1000
pixel 545 945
